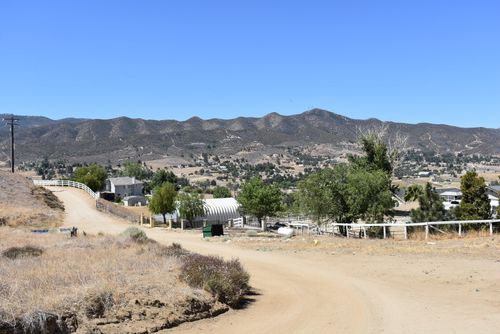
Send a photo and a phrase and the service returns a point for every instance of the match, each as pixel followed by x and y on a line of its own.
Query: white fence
pixel 363 227
pixel 66 183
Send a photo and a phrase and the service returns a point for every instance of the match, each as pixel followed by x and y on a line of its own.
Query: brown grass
pixel 472 244
pixel 71 272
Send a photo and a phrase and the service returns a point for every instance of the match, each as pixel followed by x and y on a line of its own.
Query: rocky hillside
pixel 123 137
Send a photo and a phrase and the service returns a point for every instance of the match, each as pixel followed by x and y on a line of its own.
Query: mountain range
pixel 126 138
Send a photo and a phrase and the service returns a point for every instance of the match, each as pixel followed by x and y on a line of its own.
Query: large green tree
pixel 190 206
pixel 376 154
pixel 430 205
pixel 221 192
pixel 475 203
pixel 137 170
pixel 94 176
pixel 163 200
pixel 258 199
pixel 346 193
pixel 161 176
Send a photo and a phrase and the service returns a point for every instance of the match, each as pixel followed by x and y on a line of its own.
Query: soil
pixel 22 204
pixel 354 287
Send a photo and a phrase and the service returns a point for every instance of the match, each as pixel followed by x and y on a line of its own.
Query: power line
pixel 13 122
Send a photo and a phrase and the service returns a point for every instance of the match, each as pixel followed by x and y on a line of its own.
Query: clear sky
pixel 403 60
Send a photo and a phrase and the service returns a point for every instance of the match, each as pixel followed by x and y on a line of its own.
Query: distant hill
pixel 122 138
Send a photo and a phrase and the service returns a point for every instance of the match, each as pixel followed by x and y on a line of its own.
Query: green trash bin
pixel 207 231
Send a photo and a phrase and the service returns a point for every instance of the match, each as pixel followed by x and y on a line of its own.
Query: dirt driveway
pixel 328 293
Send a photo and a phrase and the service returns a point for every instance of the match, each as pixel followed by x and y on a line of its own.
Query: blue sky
pixel 408 61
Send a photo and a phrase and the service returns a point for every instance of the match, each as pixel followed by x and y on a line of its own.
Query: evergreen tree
pixel 475 203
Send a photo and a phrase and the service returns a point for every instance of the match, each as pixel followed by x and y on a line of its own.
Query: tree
pixel 475 203
pixel 190 206
pixel 163 200
pixel 321 195
pixel 259 199
pixel 94 176
pixel 369 195
pixel 430 205
pixel 221 192
pixel 161 176
pixel 137 170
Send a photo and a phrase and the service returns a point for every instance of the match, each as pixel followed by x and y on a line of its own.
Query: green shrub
pixel 225 280
pixel 135 234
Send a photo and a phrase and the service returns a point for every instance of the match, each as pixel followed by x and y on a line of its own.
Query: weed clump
pixel 135 234
pixel 20 252
pixel 225 280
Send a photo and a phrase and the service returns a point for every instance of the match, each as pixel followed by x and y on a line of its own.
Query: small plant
pixel 225 280
pixel 20 252
pixel 175 250
pixel 135 234
pixel 96 304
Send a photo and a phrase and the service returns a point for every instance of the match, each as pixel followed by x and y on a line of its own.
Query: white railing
pixel 460 223
pixel 66 183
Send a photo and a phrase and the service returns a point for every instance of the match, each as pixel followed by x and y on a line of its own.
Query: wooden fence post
pixel 406 232
pixel 182 224
pixel 426 230
pixel 459 230
pixel 491 228
pixel 170 224
pixel 385 233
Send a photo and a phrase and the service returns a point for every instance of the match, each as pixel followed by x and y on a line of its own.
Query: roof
pixel 448 191
pixel 123 181
pixel 495 188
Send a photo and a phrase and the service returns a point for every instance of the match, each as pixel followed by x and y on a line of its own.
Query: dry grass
pixel 71 272
pixel 472 244
pixel 22 204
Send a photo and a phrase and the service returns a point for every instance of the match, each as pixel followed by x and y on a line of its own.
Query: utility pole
pixel 13 122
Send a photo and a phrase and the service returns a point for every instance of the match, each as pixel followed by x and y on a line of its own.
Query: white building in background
pixel 217 210
pixel 452 197
pixel 221 209
pixel 124 186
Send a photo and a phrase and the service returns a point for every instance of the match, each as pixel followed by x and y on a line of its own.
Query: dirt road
pixel 325 293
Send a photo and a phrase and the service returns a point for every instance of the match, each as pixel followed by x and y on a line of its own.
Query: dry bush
pixel 226 280
pixel 84 276
pixel 19 252
pixel 135 234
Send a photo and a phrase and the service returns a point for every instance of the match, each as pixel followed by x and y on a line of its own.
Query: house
pixel 494 195
pixel 124 186
pixel 452 197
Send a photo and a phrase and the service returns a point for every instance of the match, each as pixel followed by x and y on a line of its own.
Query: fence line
pixel 66 183
pixel 460 223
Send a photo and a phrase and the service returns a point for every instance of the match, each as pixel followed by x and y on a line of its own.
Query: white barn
pixel 216 210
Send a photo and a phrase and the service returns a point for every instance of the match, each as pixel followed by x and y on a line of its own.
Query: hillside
pixel 23 204
pixel 122 138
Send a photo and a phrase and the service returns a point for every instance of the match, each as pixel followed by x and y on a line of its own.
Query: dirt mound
pixel 23 204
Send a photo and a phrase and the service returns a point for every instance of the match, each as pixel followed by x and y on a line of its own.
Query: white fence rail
pixel 404 226
pixel 66 183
